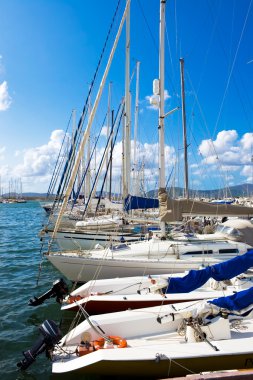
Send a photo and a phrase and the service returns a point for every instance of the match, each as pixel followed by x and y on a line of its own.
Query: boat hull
pixel 80 269
pixel 143 258
pixel 89 239
pixel 163 364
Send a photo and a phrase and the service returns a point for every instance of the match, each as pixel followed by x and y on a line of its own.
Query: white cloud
pixel 147 159
pixel 40 161
pixel 193 166
pixel 247 172
pixel 104 131
pixel 223 143
pixel 247 142
pixel 229 154
pixel 35 166
pixel 4 171
pixel 5 99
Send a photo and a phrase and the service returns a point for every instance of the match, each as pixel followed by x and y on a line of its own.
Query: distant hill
pixel 244 190
pixel 27 196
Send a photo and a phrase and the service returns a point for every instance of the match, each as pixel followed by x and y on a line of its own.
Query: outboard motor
pixel 59 290
pixel 51 335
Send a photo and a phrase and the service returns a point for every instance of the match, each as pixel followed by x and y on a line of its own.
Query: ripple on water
pixel 19 261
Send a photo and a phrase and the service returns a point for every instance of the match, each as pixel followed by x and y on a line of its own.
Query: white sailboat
pixel 163 341
pixel 111 295
pixel 157 255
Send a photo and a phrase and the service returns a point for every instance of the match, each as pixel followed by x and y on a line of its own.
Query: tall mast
pixel 127 122
pixel 88 176
pixel 186 190
pixel 136 127
pixel 108 129
pixel 90 121
pixel 161 105
pixel 110 177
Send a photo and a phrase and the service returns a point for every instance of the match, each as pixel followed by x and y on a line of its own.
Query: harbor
pixel 126 238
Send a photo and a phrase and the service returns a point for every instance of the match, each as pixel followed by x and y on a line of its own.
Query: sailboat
pixel 111 295
pixel 157 255
pixel 162 341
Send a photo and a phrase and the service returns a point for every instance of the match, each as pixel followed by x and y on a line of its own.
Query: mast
pixel 108 129
pixel 90 121
pixel 72 143
pixel 186 190
pixel 110 181
pixel 88 176
pixel 127 121
pixel 136 127
pixel 161 105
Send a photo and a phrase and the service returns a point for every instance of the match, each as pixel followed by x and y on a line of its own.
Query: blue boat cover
pixel 219 272
pixel 132 202
pixel 237 301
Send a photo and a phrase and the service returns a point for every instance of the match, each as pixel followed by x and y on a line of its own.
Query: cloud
pixel 147 161
pixel 40 161
pixel 104 131
pixel 223 143
pixel 5 99
pixel 229 153
pixel 4 172
pixel 247 142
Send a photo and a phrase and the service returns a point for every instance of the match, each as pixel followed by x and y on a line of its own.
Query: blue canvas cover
pixel 132 202
pixel 219 272
pixel 237 301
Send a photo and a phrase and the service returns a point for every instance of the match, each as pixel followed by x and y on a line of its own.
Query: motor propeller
pixel 50 335
pixel 58 290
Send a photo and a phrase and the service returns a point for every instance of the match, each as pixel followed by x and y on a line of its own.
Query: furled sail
pixel 236 302
pixel 133 202
pixel 219 272
pixel 174 209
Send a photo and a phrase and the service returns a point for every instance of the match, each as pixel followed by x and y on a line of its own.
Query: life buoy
pixel 117 340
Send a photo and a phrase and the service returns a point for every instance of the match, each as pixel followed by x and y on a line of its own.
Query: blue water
pixel 20 257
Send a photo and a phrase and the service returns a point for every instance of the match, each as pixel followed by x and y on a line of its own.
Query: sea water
pixel 20 280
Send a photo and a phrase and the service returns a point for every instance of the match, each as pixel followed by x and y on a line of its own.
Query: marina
pixel 111 264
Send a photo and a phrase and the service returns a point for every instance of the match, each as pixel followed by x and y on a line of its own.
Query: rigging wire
pixel 94 183
pixel 54 175
pixel 70 162
pixel 234 78
pixel 88 164
pixel 232 68
pixel 110 160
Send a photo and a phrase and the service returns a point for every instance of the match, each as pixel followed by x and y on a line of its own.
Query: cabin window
pixel 206 252
pixel 235 250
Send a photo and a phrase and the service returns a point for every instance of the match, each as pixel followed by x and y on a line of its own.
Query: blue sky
pixel 49 50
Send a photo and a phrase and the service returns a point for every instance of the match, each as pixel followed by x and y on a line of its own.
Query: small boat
pixel 111 295
pixel 162 341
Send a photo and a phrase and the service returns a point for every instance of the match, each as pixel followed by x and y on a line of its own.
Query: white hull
pixel 67 240
pixel 157 349
pixel 117 294
pixel 148 257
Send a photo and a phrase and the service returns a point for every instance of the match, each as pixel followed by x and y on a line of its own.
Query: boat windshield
pixel 228 230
